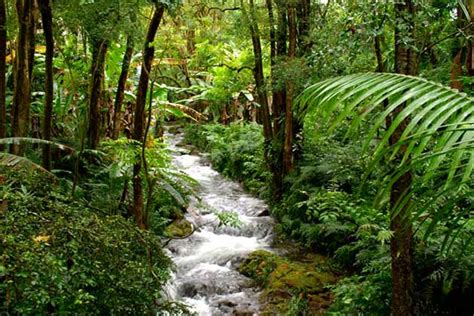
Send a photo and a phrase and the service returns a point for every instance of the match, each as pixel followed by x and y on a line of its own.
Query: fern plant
pixel 437 145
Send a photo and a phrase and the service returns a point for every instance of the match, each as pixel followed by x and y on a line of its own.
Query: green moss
pixel 282 280
pixel 179 228
pixel 259 265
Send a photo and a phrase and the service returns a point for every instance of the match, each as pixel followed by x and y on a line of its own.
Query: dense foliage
pixel 65 256
pixel 373 171
pixel 324 211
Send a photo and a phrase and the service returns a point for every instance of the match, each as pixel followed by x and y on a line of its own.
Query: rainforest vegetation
pixel 352 119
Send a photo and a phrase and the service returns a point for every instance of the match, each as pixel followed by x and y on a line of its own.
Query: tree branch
pixel 427 48
pixel 234 68
pixel 224 9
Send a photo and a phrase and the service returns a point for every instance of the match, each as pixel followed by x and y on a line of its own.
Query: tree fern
pixel 437 143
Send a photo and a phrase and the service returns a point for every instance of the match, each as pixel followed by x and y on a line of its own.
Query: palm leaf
pixel 438 139
pixel 14 161
pixel 184 110
pixel 23 140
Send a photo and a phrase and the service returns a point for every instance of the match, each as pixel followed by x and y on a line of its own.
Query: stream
pixel 206 276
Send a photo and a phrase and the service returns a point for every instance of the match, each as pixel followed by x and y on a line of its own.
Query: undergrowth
pixel 63 252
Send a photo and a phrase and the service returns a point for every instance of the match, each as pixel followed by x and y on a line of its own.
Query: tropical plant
pixel 438 142
pixel 423 132
pixel 59 255
pixel 13 160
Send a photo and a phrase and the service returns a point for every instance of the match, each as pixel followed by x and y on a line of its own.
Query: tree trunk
pixel 258 72
pixel 378 39
pixel 22 86
pixel 279 88
pixel 127 58
pixel 3 55
pixel 139 120
pixel 271 21
pixel 99 55
pixel 277 48
pixel 456 72
pixel 191 41
pixel 264 110
pixel 288 144
pixel 470 44
pixel 305 44
pixel 304 12
pixel 32 37
pixel 401 246
pixel 47 21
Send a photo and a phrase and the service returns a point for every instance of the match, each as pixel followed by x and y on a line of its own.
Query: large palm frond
pixel 181 110
pixel 29 140
pixel 438 138
pixel 12 160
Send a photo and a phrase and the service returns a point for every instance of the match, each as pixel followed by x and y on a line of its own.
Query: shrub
pixel 58 255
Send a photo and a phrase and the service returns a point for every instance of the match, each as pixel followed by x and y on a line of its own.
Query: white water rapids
pixel 206 276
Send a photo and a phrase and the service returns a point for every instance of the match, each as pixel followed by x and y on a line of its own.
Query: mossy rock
pixel 282 279
pixel 174 129
pixel 179 228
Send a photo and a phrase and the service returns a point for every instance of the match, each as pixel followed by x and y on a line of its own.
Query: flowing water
pixel 206 276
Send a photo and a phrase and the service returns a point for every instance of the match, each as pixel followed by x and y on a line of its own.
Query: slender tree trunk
pixel 279 88
pixel 271 20
pixel 263 113
pixel 99 55
pixel 139 119
pixel 401 246
pixel 288 144
pixel 191 41
pixel 32 37
pixel 378 53
pixel 22 86
pixel 304 17
pixel 470 43
pixel 3 55
pixel 456 72
pixel 47 21
pixel 258 71
pixel 278 97
pixel 127 58
pixel 304 48
pixel 185 70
